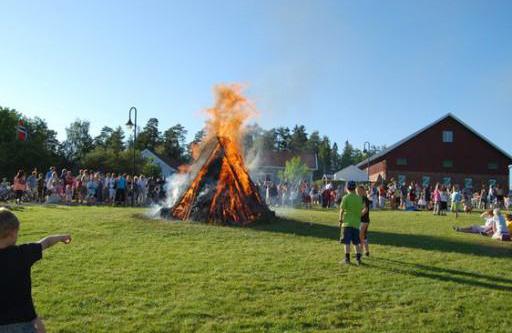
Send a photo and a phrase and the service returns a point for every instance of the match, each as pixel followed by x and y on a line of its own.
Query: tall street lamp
pixel 129 124
pixel 366 150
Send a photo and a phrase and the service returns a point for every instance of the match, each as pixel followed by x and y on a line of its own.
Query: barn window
pixel 492 166
pixel 447 164
pixel 448 136
pixel 401 161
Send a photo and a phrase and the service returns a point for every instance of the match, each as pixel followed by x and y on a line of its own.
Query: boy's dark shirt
pixel 16 305
pixel 366 217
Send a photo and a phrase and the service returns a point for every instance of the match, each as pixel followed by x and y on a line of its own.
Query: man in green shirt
pixel 350 219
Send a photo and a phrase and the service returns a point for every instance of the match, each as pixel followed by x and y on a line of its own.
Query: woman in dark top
pixel 365 220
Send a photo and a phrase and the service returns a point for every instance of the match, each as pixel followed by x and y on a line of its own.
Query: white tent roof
pixel 351 173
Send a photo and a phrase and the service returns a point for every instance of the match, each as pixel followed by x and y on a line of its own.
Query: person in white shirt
pixel 112 189
pixel 485 229
pixel 143 190
pixel 499 226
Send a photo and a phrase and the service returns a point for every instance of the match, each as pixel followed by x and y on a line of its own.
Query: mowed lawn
pixel 123 273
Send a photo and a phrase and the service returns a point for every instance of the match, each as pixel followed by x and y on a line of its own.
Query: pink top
pixel 437 196
pixel 19 184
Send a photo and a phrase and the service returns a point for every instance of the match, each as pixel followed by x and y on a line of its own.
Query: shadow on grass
pixel 443 274
pixel 422 242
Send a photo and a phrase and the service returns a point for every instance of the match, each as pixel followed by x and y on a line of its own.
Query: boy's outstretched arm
pixel 52 240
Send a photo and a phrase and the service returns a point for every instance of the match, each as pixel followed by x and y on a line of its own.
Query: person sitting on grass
pixel 499 227
pixel 17 313
pixel 350 220
pixel 365 220
pixel 485 229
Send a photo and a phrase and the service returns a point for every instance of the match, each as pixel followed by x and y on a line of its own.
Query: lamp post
pixel 129 124
pixel 367 152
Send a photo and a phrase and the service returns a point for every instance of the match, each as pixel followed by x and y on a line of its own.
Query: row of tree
pixel 111 149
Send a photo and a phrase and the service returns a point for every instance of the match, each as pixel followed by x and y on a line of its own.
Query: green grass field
pixel 123 273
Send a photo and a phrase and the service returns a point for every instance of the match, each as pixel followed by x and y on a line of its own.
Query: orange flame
pixel 235 198
pixel 228 115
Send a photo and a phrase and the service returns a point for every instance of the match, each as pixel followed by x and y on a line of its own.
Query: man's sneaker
pixel 358 262
pixel 367 254
pixel 346 261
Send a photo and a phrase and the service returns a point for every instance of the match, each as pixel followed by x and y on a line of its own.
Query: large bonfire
pixel 220 189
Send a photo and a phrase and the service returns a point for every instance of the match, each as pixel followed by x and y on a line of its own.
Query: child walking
pixel 17 313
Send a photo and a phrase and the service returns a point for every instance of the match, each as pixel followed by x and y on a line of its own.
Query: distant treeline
pixel 111 150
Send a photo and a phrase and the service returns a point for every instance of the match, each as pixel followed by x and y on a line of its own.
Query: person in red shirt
pixel 19 186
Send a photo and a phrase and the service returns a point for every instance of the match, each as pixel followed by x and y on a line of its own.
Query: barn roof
pixel 413 135
pixel 278 159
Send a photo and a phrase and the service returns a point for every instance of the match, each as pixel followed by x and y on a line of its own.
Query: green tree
pixel 78 142
pixel 39 150
pixel 298 139
pixel 173 146
pixel 116 140
pixel 294 171
pixel 347 156
pixel 283 137
pixel 324 156
pixel 150 136
pixel 313 144
pixel 335 158
pixel 101 139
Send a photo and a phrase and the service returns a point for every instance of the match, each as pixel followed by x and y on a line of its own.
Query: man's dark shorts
pixel 349 235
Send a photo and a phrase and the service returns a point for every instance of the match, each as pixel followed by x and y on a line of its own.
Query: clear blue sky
pixel 357 70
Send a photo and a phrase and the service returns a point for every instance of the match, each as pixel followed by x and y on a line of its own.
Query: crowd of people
pixel 86 187
pixel 438 198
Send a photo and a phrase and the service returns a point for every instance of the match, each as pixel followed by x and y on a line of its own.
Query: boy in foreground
pixel 17 313
pixel 350 220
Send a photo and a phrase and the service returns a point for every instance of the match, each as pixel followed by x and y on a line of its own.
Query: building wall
pixel 469 153
pixel 425 153
pixel 477 180
pixel 376 170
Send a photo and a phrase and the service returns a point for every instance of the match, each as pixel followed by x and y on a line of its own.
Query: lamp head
pixel 129 124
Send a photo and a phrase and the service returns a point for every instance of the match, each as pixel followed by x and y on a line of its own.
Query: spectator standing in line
pixel 121 189
pixel 112 189
pixel 19 186
pixel 32 185
pixel 456 199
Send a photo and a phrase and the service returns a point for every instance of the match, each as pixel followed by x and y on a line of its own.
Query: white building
pixel 165 165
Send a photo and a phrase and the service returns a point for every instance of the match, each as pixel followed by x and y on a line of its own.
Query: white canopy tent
pixel 351 173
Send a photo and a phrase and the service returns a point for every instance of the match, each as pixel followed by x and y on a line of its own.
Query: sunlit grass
pixel 122 273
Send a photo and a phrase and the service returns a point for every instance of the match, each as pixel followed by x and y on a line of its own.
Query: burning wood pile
pixel 220 190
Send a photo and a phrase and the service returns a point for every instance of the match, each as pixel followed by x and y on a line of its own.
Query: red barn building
pixel 447 151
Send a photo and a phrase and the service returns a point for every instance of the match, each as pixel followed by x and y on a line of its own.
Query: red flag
pixel 22 131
